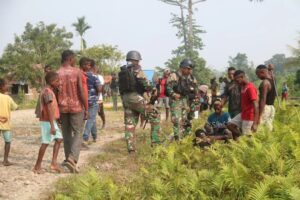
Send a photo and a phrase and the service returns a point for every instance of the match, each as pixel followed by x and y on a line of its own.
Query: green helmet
pixel 133 55
pixel 186 63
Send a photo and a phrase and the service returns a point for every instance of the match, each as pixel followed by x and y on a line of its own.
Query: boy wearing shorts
pixel 248 119
pixel 6 105
pixel 49 113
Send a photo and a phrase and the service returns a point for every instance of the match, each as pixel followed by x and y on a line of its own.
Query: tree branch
pixel 199 1
pixel 175 3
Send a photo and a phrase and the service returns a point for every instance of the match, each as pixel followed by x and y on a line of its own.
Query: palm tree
pixel 81 27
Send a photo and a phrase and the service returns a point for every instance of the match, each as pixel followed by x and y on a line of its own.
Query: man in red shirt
pixel 72 107
pixel 83 64
pixel 247 120
pixel 161 87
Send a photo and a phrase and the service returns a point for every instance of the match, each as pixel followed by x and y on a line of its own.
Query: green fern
pixel 265 166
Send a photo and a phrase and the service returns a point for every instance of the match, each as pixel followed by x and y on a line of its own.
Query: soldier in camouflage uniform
pixel 193 99
pixel 181 88
pixel 132 84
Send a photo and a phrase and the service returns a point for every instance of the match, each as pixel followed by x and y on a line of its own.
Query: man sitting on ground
pixel 215 128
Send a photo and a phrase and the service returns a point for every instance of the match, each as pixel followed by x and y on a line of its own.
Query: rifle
pixel 152 101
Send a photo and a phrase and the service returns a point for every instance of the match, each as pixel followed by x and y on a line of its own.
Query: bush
pixel 265 166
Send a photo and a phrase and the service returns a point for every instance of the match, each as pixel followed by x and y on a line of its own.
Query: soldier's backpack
pixel 127 80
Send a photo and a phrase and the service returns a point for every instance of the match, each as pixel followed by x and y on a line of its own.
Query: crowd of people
pixel 248 108
pixel 72 97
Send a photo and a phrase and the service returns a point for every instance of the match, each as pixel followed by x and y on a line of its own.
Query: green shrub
pixel 264 166
pixel 87 187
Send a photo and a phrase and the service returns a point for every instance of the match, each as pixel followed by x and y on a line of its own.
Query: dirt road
pixel 18 181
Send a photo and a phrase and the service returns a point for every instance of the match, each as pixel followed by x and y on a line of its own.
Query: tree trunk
pixel 190 31
pixel 81 43
pixel 184 30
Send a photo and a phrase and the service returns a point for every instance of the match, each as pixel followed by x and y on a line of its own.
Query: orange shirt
pixel 47 97
pixel 85 88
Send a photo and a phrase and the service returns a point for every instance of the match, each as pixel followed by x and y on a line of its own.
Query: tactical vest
pixel 128 82
pixel 186 86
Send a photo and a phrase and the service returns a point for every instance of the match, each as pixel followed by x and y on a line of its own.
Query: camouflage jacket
pixel 143 84
pixel 185 86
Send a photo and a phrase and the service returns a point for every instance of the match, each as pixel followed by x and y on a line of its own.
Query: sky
pixel 258 29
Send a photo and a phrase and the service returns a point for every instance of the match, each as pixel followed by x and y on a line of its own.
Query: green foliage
pixel 107 57
pixel 37 46
pixel 297 81
pixel 261 167
pixel 264 166
pixel 295 60
pixel 81 27
pixel 294 63
pixel 201 73
pixel 278 60
pixel 188 32
pixel 86 187
pixel 240 61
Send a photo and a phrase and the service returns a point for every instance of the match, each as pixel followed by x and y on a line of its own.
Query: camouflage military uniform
pixel 181 113
pixel 134 105
pixel 193 102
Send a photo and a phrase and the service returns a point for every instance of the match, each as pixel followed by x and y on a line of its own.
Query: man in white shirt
pixel 101 108
pixel 100 100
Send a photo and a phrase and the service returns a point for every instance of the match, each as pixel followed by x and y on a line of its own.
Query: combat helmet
pixel 186 63
pixel 133 55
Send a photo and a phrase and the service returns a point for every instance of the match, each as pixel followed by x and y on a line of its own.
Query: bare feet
pixel 7 163
pixel 38 171
pixel 56 169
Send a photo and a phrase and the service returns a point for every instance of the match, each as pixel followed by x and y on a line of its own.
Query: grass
pixel 25 105
pixel 114 162
pixel 181 171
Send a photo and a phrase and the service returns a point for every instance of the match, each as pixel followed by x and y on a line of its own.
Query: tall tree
pixel 188 30
pixel 189 34
pixel 107 57
pixel 279 61
pixel 38 45
pixel 240 61
pixel 81 27
pixel 294 62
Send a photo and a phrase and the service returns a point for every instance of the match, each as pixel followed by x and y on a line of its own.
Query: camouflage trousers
pixel 179 114
pixel 134 106
pixel 190 116
pixel 115 100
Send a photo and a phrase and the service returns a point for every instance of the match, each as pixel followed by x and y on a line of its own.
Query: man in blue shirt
pixel 215 127
pixel 94 89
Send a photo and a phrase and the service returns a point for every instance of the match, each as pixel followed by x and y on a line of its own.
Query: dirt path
pixel 18 181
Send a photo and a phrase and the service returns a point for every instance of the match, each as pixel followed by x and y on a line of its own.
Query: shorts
pixel 163 101
pixel 47 137
pixel 284 95
pixel 6 135
pixel 245 125
pixel 267 117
